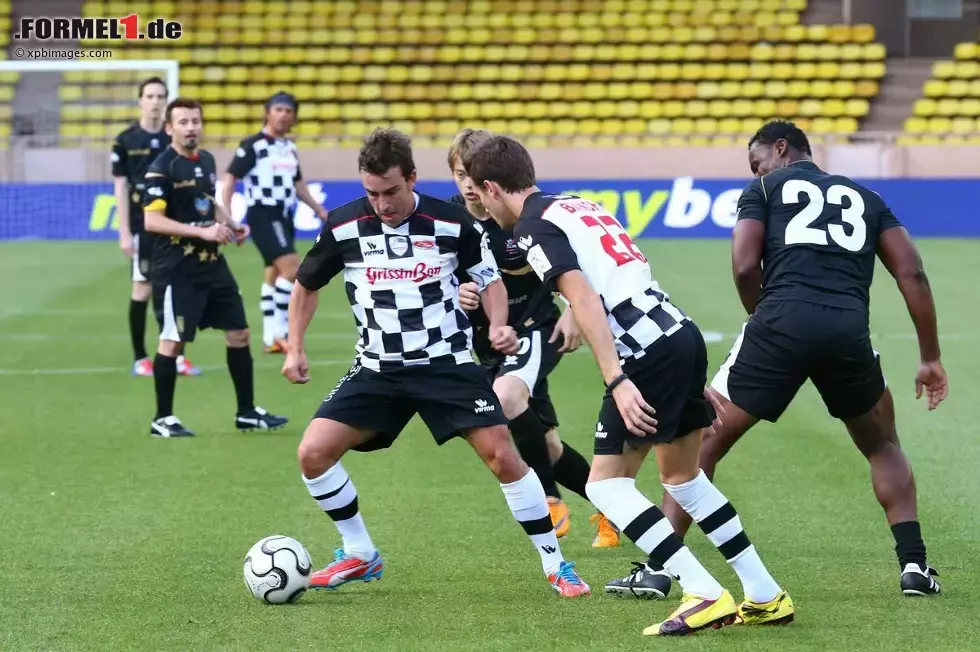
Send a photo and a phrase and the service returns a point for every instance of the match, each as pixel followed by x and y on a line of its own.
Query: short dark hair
pixel 504 161
pixel 775 130
pixel 149 82
pixel 386 148
pixel 182 103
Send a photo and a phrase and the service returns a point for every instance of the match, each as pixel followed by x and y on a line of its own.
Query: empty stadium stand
pixel 8 80
pixel 577 72
pixel 949 111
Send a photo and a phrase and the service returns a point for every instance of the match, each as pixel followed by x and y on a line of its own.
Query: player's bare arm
pixel 240 231
pixel 502 337
pixel 302 308
pixel 591 317
pixel 227 190
pixel 901 257
pixel 120 187
pixel 748 239
pixel 305 196
pixel 569 330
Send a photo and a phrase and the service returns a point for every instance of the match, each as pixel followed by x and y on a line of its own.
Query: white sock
pixel 529 506
pixel 717 518
pixel 334 492
pixel 284 290
pixel 646 526
pixel 268 306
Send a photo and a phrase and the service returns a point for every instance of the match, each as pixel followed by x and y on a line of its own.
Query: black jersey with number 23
pixel 821 236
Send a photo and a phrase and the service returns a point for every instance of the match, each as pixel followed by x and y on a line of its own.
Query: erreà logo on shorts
pixel 483 405
pixel 125 28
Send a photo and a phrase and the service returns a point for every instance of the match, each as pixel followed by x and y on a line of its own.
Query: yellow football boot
pixel 560 517
pixel 607 535
pixel 696 614
pixel 778 611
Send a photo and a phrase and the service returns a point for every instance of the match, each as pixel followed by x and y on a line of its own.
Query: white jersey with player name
pixel 560 233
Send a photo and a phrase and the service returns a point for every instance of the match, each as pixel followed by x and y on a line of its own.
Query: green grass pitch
pixel 113 540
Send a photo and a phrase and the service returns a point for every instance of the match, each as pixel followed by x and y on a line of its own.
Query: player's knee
pixel 141 291
pixel 512 394
pixel 603 493
pixel 555 445
pixel 287 267
pixel 170 348
pixel 316 454
pixel 237 339
pixel 502 458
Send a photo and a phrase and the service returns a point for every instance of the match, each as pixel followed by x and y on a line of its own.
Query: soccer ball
pixel 278 569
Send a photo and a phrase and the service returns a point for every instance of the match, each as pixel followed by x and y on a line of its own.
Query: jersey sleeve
pixel 243 162
pixel 752 204
pixel 118 158
pixel 886 219
pixel 475 255
pixel 322 262
pixel 548 251
pixel 158 189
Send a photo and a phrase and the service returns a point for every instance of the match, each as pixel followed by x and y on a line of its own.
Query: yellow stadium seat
pixel 938 125
pixel 966 51
pixel 944 70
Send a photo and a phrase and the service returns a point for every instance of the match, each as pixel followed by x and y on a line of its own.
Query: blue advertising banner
pixel 664 208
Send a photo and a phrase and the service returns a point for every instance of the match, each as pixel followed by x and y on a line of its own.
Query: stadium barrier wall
pixel 680 207
pixel 877 158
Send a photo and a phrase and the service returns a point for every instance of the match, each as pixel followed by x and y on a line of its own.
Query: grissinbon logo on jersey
pixel 123 28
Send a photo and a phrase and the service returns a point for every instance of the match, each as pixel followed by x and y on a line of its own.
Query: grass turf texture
pixel 114 540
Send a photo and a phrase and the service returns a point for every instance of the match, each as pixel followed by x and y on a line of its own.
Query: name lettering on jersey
pixel 421 272
pixel 580 205
pixel 190 183
pixel 137 152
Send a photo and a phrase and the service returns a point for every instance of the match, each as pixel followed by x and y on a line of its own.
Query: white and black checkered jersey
pixel 269 169
pixel 400 281
pixel 563 232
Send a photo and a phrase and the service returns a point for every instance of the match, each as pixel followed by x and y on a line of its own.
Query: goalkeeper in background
pixel 133 150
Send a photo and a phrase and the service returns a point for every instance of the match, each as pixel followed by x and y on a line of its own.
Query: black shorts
pixel 272 232
pixel 142 256
pixel 185 303
pixel 450 399
pixel 783 345
pixel 543 407
pixel 671 378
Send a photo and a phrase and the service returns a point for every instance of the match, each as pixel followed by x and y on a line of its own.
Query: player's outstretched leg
pixel 875 435
pixel 765 602
pixel 165 424
pixel 527 501
pixel 239 357
pixel 612 489
pixel 324 443
pixel 530 437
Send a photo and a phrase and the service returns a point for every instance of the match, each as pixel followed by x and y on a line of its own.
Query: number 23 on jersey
pixel 799 229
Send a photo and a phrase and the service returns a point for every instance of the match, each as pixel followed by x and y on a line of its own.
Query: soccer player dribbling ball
pixel 193 286
pixel 398 251
pixel 653 360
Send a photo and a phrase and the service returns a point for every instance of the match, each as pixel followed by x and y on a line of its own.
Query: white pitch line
pixel 123 370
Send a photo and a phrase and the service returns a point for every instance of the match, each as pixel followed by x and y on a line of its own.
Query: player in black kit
pixel 193 287
pixel 803 254
pixel 521 381
pixel 132 152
